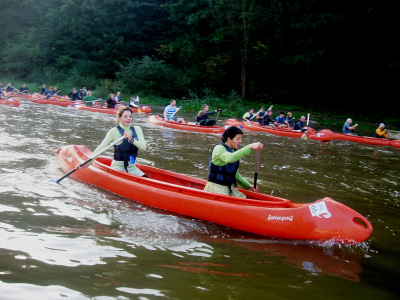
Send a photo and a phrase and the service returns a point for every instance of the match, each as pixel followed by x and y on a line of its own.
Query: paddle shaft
pixel 256 171
pixel 90 159
pixel 172 116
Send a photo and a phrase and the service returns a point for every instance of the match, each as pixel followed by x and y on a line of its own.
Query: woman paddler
pixel 224 164
pixel 125 153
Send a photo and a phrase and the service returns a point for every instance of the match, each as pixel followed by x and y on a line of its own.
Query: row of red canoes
pixel 261 214
pixel 66 102
pixel 322 135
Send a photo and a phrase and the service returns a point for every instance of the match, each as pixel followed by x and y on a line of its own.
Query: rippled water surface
pixel 75 241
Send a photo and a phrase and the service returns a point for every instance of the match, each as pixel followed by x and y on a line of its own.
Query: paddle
pixel 55 94
pixel 216 119
pixel 255 115
pixel 304 136
pixel 172 115
pixel 256 171
pixel 89 160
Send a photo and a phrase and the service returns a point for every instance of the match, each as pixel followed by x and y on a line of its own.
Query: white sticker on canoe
pixel 319 209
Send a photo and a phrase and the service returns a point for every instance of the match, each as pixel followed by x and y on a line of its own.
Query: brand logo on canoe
pixel 320 210
pixel 280 218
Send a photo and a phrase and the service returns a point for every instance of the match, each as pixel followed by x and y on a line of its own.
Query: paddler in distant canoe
pixel 248 115
pixel 347 128
pixel 170 111
pixel 90 99
pixel 203 116
pixel 224 164
pixel 381 132
pixel 125 153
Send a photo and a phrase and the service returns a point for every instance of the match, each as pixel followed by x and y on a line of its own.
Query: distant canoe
pixel 288 132
pixel 113 111
pixel 154 119
pixel 53 100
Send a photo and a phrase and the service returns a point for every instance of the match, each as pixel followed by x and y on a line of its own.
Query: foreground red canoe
pixel 362 139
pixel 10 101
pixel 289 132
pixel 154 119
pixel 113 111
pixel 261 214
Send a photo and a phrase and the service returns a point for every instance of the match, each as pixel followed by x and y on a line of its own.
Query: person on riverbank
pixel 126 152
pixel 203 116
pixel 169 112
pixel 248 115
pixel 224 164
pixel 381 132
pixel 347 128
pixel 90 99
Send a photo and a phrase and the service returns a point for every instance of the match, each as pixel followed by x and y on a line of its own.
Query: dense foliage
pixel 338 55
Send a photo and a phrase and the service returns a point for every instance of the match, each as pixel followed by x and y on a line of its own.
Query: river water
pixel 75 241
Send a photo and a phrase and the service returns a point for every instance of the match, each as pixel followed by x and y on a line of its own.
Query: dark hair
pixel 231 132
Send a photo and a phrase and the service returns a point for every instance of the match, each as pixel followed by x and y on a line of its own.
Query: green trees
pixel 339 54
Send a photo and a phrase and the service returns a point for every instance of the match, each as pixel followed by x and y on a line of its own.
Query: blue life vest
pixel 223 175
pixel 125 150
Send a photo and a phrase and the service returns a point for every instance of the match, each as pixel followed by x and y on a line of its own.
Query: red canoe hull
pixel 113 111
pixel 261 214
pixel 154 119
pixel 14 101
pixel 362 139
pixel 54 100
pixel 288 132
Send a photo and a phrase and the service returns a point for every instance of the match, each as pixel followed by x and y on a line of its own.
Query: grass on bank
pixel 232 106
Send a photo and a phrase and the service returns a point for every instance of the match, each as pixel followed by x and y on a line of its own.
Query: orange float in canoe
pixel 261 214
pixel 10 101
pixel 154 119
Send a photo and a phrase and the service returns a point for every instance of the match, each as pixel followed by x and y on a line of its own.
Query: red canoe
pixel 154 119
pixel 289 132
pixel 26 96
pixel 54 100
pixel 260 214
pixel 10 101
pixel 362 139
pixel 104 109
